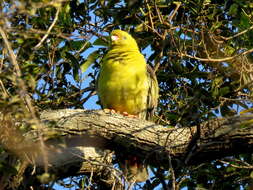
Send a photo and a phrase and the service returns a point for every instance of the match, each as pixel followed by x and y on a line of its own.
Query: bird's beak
pixel 114 37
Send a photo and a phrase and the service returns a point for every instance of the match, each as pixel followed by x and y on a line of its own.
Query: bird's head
pixel 122 39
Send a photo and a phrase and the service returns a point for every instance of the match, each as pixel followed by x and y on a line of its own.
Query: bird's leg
pixel 111 111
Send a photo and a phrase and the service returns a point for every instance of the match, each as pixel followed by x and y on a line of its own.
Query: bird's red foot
pixel 112 111
pixel 129 115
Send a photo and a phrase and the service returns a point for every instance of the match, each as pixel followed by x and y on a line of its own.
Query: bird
pixel 128 85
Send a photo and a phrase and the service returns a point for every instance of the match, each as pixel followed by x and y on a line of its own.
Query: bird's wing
pixel 152 98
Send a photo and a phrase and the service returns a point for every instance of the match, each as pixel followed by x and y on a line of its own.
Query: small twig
pixel 149 15
pixel 218 59
pixel 2 60
pixel 238 34
pixel 158 13
pixel 84 45
pixel 172 174
pixel 178 4
pixel 11 53
pixel 90 179
pixel 204 44
pixel 155 31
pixel 92 93
pixel 2 87
pixel 49 30
pixel 236 166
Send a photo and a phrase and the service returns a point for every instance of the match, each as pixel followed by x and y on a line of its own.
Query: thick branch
pixel 86 132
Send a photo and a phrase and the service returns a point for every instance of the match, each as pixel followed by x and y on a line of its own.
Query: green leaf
pixel 79 45
pixel 223 91
pixel 102 42
pixel 91 59
pixel 229 50
pixel 245 106
pixel 20 40
pixel 141 27
pixel 230 169
pixel 74 63
pixel 245 20
pixel 72 58
pixel 233 10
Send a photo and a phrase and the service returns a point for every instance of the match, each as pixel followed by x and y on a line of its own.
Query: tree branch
pixel 216 59
pixel 85 135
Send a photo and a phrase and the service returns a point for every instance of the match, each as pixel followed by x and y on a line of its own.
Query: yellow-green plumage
pixel 127 84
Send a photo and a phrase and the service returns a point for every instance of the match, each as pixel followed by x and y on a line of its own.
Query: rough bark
pixel 78 140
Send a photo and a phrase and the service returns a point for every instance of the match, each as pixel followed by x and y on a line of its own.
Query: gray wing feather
pixel 152 99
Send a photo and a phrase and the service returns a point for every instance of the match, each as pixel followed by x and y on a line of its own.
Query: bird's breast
pixel 123 86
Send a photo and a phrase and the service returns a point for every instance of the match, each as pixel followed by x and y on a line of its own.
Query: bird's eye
pixel 124 37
